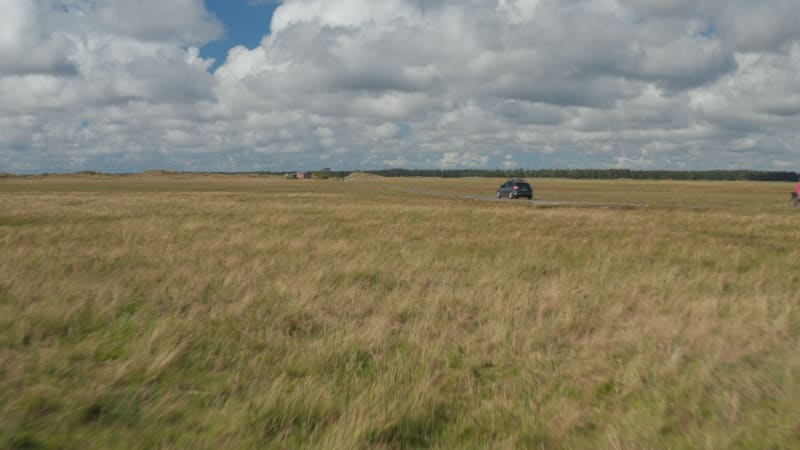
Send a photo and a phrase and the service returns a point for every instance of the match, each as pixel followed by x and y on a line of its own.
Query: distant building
pixel 304 175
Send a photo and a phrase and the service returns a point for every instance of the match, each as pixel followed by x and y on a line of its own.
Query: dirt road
pixel 536 203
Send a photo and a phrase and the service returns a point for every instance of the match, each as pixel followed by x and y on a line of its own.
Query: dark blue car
pixel 515 188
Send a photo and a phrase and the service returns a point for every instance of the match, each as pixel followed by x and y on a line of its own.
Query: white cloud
pixel 344 13
pixel 119 85
pixel 463 160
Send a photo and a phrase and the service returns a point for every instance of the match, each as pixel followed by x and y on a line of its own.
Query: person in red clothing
pixel 797 189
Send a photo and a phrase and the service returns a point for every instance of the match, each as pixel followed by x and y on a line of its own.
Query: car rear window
pixel 525 185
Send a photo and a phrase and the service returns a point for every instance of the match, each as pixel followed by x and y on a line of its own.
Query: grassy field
pixel 216 312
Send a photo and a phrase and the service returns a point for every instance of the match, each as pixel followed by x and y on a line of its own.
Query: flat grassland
pixel 256 312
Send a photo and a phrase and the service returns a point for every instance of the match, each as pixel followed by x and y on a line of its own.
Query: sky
pixel 262 85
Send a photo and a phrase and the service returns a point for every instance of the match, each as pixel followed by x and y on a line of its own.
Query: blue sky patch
pixel 246 23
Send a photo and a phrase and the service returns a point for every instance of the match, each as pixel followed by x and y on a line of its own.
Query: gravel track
pixel 536 203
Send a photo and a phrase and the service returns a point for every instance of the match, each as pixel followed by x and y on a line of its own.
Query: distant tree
pixel 607 174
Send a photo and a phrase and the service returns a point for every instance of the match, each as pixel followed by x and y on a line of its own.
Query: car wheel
pixel 498 194
pixel 511 196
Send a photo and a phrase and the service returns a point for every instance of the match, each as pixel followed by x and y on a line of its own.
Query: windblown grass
pixel 252 312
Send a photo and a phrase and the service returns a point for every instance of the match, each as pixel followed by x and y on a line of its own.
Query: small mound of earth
pixel 159 172
pixel 85 173
pixel 357 176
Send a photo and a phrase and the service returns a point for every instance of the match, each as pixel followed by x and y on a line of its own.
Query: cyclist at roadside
pixel 796 195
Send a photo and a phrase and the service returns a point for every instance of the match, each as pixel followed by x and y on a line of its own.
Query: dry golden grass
pixel 256 312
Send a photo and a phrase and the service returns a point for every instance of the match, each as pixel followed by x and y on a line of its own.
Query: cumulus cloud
pixel 119 85
pixel 26 45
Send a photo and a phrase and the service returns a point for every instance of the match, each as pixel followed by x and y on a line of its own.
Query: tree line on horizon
pixel 593 174
pixel 596 174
